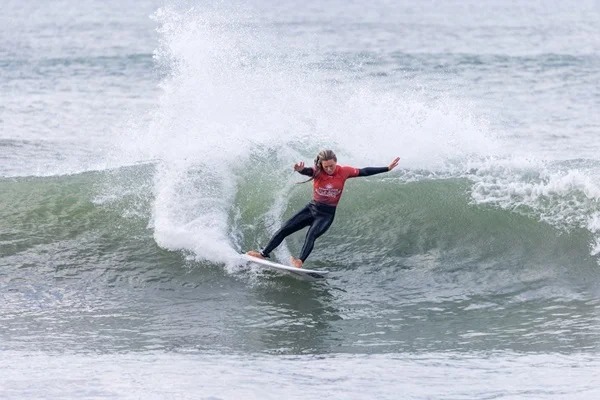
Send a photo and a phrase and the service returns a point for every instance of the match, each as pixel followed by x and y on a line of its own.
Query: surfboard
pixel 300 273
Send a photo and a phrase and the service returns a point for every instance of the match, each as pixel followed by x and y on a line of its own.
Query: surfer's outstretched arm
pixel 300 168
pixel 378 170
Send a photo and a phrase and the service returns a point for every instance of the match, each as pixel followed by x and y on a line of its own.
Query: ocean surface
pixel 145 144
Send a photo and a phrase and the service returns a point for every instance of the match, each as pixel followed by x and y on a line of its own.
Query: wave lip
pixel 564 194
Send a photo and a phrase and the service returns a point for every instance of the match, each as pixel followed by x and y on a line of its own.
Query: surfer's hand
pixel 393 164
pixel 299 166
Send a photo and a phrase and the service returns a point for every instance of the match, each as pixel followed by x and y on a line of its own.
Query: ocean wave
pixel 381 221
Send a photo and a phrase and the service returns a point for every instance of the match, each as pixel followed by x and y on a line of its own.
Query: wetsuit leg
pixel 320 225
pixel 302 219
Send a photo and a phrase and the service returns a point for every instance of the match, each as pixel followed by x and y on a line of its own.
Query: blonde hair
pixel 324 155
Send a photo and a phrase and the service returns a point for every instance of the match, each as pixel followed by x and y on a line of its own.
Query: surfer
pixel 328 183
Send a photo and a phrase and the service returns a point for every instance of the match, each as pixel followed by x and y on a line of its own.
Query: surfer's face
pixel 328 166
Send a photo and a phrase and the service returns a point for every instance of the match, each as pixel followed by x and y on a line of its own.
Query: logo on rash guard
pixel 328 191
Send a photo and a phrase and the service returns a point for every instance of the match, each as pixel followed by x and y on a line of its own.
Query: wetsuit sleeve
pixel 367 171
pixel 307 171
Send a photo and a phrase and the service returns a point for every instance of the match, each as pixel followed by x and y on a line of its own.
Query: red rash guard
pixel 327 189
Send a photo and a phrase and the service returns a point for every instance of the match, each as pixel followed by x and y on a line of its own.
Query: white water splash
pixel 231 95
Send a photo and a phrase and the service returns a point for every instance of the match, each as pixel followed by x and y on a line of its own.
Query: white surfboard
pixel 300 273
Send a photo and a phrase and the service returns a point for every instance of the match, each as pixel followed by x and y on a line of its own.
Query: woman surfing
pixel 328 183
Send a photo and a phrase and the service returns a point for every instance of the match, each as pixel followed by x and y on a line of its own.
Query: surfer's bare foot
pixel 256 254
pixel 296 262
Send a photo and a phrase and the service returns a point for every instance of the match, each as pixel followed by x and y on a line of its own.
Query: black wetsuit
pixel 318 216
